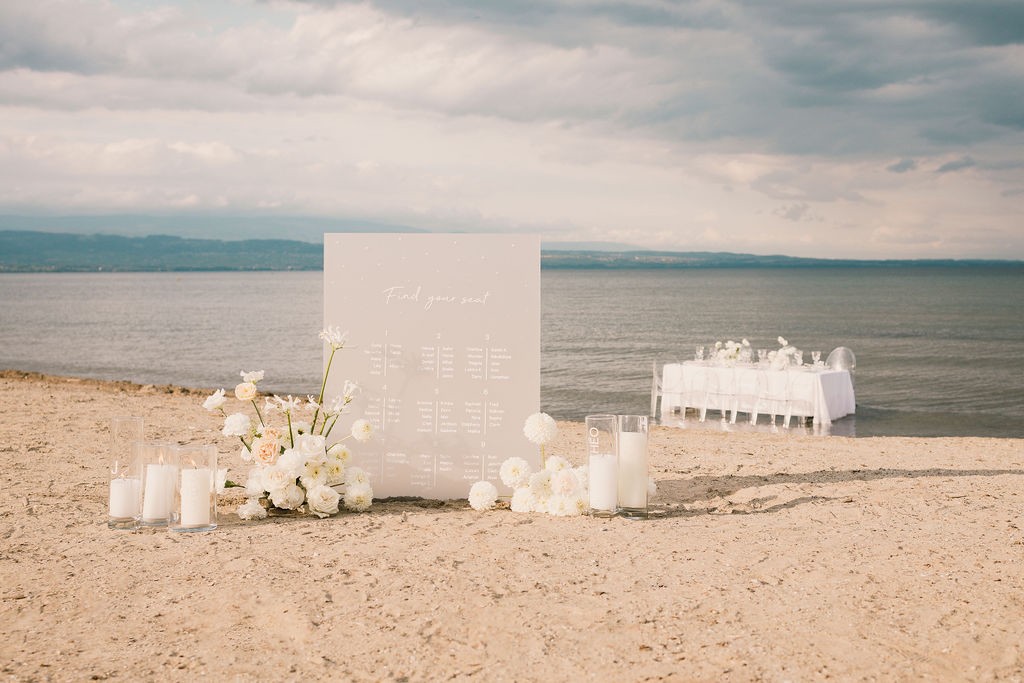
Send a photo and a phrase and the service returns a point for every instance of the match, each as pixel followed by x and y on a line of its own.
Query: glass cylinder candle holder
pixel 195 493
pixel 633 466
pixel 159 467
pixel 125 477
pixel 602 437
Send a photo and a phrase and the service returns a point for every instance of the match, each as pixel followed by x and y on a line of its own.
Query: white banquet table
pixel 817 392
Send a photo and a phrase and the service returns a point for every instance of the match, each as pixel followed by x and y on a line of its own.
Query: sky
pixel 836 128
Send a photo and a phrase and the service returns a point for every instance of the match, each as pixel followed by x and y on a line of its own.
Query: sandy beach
pixel 769 557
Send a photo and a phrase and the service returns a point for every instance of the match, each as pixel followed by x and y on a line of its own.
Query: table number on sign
pixel 445 345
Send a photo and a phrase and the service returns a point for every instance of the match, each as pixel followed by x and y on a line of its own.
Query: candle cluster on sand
pixel 617 450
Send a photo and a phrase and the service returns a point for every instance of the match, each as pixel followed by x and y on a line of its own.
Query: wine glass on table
pixel 815 357
pixel 698 354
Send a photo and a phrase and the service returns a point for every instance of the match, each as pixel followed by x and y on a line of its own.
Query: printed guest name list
pixel 445 345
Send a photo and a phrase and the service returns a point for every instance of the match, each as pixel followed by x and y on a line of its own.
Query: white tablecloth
pixel 819 393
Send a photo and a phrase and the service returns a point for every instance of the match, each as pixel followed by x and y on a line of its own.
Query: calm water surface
pixel 940 351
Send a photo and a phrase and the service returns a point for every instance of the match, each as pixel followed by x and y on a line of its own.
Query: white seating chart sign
pixel 444 341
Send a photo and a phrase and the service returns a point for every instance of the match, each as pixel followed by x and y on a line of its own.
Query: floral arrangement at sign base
pixel 292 467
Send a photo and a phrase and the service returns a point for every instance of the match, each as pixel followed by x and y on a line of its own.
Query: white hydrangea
pixel 288 497
pixel 251 510
pixel 515 472
pixel 254 482
pixel 522 500
pixel 562 506
pixel 236 424
pixel 358 497
pixel 483 495
pixel 582 477
pixel 322 500
pixel 540 428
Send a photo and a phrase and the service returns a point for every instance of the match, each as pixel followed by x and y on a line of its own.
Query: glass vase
pixel 159 468
pixel 125 476
pixel 633 467
pixel 601 439
pixel 195 493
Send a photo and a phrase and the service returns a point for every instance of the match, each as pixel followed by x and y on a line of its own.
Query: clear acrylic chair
pixel 772 397
pixel 842 358
pixel 720 386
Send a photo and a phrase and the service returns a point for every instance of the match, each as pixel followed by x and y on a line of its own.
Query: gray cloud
pixel 957 165
pixel 902 166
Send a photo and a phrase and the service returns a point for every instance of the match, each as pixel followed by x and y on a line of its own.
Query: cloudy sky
pixel 837 128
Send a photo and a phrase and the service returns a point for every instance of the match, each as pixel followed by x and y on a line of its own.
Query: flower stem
pixel 334 422
pixel 323 388
pixel 258 414
pixel 291 436
pixel 247 446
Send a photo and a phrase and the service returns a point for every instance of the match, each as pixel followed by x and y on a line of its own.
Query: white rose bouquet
pixel 292 465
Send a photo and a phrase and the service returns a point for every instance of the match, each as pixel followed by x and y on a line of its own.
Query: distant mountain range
pixel 30 251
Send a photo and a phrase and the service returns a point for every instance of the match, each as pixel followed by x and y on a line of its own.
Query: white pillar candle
pixel 124 497
pixel 156 500
pixel 633 470
pixel 603 487
pixel 196 487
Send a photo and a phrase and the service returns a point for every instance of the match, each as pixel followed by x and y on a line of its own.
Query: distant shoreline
pixel 46 252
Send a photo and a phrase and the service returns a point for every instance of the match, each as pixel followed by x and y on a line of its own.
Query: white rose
pixel 483 495
pixel 266 449
pixel 362 430
pixel 276 479
pixel 310 446
pixel 292 462
pixel 322 500
pixel 358 497
pixel 236 424
pixel 246 391
pixel 215 400
pixel 251 510
pixel 540 428
pixel 288 498
pixel 515 472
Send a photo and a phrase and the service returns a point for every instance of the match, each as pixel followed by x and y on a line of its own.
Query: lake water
pixel 940 351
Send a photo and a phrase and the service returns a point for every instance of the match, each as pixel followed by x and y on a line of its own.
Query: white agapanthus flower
pixel 362 430
pixel 288 404
pixel 358 497
pixel 540 428
pixel 357 475
pixel 252 376
pixel 515 472
pixel 483 495
pixel 236 424
pixel 350 391
pixel 215 400
pixel 556 463
pixel 522 500
pixel 251 510
pixel 288 498
pixel 322 500
pixel 334 336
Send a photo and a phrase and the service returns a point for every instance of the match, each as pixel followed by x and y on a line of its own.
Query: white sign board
pixel 444 341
